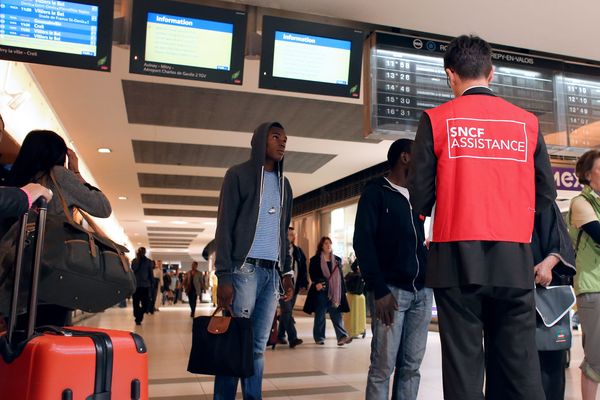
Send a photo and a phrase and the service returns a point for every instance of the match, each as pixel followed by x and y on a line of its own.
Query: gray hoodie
pixel 239 205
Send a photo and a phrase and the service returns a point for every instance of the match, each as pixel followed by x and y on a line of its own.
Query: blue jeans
pixel 256 294
pixel 324 306
pixel 400 346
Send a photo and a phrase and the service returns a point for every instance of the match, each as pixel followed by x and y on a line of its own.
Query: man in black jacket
pixel 389 242
pixel 286 320
pixel 142 268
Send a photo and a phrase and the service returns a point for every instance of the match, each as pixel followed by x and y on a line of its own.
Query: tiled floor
pixel 308 372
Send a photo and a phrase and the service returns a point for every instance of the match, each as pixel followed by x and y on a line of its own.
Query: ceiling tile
pixel 180 200
pixel 179 181
pixel 159 212
pixel 228 110
pixel 200 155
pixel 171 229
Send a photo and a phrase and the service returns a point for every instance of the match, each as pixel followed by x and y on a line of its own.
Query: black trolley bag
pixel 66 363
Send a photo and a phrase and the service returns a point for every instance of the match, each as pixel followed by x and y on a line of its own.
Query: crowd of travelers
pixel 497 241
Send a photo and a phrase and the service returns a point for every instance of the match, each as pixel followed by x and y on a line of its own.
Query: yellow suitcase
pixel 356 320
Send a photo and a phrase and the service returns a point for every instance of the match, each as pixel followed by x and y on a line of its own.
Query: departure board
pixel 49 25
pixel 407 77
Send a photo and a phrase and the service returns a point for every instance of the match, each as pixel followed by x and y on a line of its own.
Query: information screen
pixel 66 33
pixel 188 41
pixel 307 57
pixel 408 77
pixel 49 25
pixel 311 58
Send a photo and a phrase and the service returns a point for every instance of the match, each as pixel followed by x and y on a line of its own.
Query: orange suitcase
pixel 74 363
pixel 77 363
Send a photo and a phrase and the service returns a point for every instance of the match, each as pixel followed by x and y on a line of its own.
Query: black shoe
pixel 282 341
pixel 320 342
pixel 295 342
pixel 192 315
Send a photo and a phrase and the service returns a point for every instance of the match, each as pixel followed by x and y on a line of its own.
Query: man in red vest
pixel 482 162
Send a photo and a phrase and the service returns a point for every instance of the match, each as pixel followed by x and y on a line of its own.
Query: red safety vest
pixel 485 170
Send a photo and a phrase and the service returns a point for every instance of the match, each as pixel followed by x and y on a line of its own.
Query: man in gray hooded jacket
pixel 252 247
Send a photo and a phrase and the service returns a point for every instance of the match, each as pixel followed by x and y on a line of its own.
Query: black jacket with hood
pixel 389 240
pixel 239 205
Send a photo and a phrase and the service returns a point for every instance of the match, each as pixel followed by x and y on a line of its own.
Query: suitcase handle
pixel 42 206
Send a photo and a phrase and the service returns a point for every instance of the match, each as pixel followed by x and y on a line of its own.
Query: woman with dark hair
pixel 327 293
pixel 41 159
pixel 584 227
pixel 16 201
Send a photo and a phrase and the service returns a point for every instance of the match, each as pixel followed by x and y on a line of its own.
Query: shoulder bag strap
pixel 63 202
pixel 578 239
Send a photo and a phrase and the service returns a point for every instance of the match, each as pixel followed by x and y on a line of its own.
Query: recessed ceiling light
pixel 104 150
pixel 122 197
pixel 180 222
pixel 150 221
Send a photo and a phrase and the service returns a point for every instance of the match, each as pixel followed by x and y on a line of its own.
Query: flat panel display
pixel 311 58
pixel 65 33
pixel 408 77
pixel 188 41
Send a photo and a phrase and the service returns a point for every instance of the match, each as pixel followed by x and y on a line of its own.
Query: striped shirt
pixel 265 245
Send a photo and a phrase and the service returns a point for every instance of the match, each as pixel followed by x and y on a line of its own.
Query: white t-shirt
pixel 401 189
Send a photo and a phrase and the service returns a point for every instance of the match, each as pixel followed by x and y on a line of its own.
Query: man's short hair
pixel 398 147
pixel 469 56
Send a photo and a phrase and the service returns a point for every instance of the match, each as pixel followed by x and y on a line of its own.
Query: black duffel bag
pixel 222 346
pixel 81 268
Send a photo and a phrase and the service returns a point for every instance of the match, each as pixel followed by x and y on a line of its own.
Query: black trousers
pixel 141 298
pixel 503 319
pixel 286 320
pixel 193 298
pixel 553 364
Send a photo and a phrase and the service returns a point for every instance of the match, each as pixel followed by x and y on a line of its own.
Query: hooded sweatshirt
pixel 389 240
pixel 239 205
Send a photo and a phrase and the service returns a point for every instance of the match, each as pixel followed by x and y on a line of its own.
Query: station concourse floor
pixel 308 372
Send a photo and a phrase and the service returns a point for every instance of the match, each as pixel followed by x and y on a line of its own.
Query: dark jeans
pixel 324 306
pixel 154 295
pixel 193 298
pixel 286 320
pixel 552 364
pixel 506 316
pixel 141 298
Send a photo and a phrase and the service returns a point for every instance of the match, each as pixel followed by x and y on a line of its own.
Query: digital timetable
pixel 59 26
pixel 408 77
